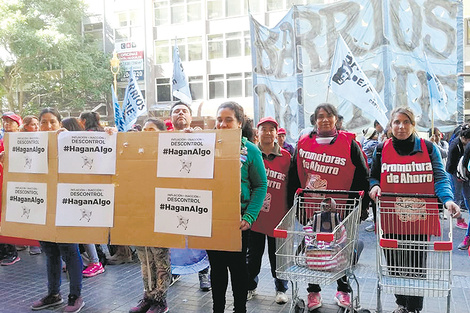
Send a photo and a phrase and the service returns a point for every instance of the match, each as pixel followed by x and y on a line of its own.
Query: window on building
pixel 178 12
pixel 247 40
pixel 121 34
pixel 234 7
pixel 194 10
pixel 233 44
pixel 181 42
pixel 215 9
pixel 216 86
pixel 196 86
pixel 161 8
pixel 94 31
pixel 234 85
pixel 468 31
pixel 215 46
pixel 163 89
pixel 194 48
pixel 162 51
pixel 248 85
pixel 275 5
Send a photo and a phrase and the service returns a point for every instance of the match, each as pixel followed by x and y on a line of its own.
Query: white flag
pixel 180 82
pixel 349 82
pixel 134 103
pixel 437 94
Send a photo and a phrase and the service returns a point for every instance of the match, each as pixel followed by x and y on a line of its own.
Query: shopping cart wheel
pixel 299 306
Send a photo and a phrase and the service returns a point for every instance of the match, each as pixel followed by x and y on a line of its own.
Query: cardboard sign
pixel 87 153
pixel 27 152
pixel 26 202
pixel 186 155
pixel 135 182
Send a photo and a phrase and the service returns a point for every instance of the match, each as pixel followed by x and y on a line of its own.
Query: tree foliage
pixel 45 60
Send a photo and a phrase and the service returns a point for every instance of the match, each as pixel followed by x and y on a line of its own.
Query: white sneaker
pixel 251 294
pixel 281 297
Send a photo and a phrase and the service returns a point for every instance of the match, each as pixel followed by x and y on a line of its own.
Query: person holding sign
pixel 11 123
pixel 230 115
pixel 405 147
pixel 50 120
pixel 155 262
pixel 328 159
pixel 181 119
pixel 276 161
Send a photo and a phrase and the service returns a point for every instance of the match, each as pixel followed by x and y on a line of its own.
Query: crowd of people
pixel 271 172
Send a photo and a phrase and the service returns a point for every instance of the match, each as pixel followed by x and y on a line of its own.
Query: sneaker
pixel 142 307
pixel 281 297
pixel 204 281
pixel 93 269
pixel 174 279
pixel 370 228
pixel 461 223
pixel 401 309
pixel 250 294
pixel 10 260
pixel 75 304
pixel 47 302
pixel 158 307
pixel 343 299
pixel 465 243
pixel 20 248
pixel 314 301
pixel 33 250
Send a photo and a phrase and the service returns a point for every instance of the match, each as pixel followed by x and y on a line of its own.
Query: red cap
pixel 281 131
pixel 268 120
pixel 14 117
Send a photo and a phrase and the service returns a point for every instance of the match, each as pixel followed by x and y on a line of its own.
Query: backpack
pixel 463 171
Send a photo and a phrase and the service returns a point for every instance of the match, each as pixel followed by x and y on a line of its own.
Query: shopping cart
pixel 305 254
pixel 414 254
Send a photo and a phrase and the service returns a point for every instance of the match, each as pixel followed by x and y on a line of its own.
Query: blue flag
pixel 437 94
pixel 180 82
pixel 118 119
pixel 133 104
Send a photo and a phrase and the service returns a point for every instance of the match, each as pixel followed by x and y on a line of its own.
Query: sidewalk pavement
pixel 120 287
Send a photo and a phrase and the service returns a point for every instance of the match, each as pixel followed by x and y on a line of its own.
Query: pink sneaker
pixel 314 301
pixel 461 223
pixel 343 299
pixel 93 269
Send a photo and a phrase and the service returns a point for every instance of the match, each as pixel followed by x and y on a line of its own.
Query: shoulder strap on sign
pixel 380 146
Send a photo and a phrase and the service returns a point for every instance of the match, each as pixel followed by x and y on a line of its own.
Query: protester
pixel 281 140
pixel 465 244
pixel 185 261
pixel 436 137
pixel 370 142
pixel 11 123
pixel 50 120
pixel 30 124
pixel 307 172
pixel 461 188
pixel 155 263
pixel 405 147
pixel 277 162
pixel 230 115
pixel 90 121
pixel 72 124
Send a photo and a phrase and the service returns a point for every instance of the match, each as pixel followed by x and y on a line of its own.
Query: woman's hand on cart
pixel 244 225
pixel 453 208
pixel 376 192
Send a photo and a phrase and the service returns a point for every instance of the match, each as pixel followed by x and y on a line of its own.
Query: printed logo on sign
pixel 88 162
pixel 185 165
pixel 183 222
pixel 26 211
pixel 410 209
pixel 86 214
pixel 28 162
pixel 343 73
pixel 266 203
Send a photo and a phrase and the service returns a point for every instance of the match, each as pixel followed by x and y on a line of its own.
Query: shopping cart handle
pixel 280 233
pixel 389 243
pixel 327 237
pixel 443 246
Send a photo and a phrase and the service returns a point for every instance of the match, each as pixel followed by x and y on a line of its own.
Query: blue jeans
pixel 90 249
pixel 73 261
pixel 461 191
pixel 256 245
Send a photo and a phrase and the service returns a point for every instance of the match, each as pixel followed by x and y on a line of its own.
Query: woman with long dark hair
pixel 91 121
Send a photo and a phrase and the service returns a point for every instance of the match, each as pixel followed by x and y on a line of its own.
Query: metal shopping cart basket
pixel 305 253
pixel 414 251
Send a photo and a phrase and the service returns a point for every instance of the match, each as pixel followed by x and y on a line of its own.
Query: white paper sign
pixel 87 153
pixel 27 152
pixel 183 211
pixel 186 155
pixel 26 203
pixel 90 205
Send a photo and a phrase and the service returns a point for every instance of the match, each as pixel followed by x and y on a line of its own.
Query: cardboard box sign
pixel 135 183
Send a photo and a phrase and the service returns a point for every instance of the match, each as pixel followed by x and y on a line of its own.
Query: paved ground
pixel 120 287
